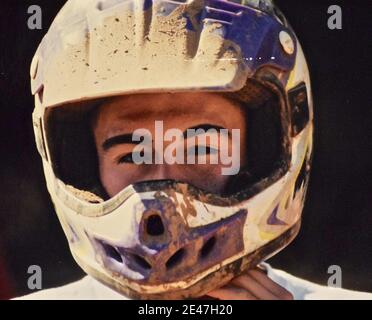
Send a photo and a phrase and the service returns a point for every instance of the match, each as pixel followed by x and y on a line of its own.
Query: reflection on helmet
pixel 169 239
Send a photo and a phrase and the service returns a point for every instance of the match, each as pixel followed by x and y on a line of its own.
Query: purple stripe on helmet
pixel 255 32
pixel 274 220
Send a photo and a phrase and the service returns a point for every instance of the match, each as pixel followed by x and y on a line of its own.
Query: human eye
pixel 202 150
pixel 135 157
pixel 127 158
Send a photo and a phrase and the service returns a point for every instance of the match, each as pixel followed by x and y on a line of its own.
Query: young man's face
pixel 120 117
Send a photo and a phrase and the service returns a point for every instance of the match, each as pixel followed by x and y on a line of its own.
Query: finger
pixel 250 284
pixel 270 285
pixel 230 292
pixel 261 269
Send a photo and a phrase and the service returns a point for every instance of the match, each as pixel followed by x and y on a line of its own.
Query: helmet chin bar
pixel 190 289
pixel 168 249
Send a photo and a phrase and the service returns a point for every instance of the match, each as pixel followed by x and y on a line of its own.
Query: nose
pixel 178 252
pixel 159 172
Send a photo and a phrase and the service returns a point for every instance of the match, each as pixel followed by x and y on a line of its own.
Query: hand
pixel 252 285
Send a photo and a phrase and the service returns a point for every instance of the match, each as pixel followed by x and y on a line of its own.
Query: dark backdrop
pixel 338 213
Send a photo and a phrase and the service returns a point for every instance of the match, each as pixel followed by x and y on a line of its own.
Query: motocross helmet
pixel 167 239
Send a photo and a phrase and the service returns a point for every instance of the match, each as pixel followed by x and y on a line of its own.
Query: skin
pixel 182 111
pixel 252 285
pixel 122 115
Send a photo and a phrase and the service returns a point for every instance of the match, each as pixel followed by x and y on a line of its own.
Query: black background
pixel 337 224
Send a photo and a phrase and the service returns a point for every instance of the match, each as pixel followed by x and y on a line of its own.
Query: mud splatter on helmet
pixel 168 239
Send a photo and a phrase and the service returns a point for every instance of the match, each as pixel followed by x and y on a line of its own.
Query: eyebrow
pixel 205 127
pixel 127 137
pixel 120 139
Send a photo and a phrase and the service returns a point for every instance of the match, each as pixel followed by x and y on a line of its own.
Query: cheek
pixel 115 177
pixel 243 148
pixel 111 178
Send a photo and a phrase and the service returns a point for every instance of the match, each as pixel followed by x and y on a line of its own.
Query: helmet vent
pixel 154 225
pixel 112 252
pixel 139 261
pixel 208 247
pixel 175 259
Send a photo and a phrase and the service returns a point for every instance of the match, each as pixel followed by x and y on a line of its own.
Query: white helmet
pixel 169 239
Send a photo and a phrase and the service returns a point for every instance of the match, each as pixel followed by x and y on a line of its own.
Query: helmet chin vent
pixel 154 225
pixel 112 252
pixel 208 248
pixel 123 255
pixel 175 259
pixel 139 261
